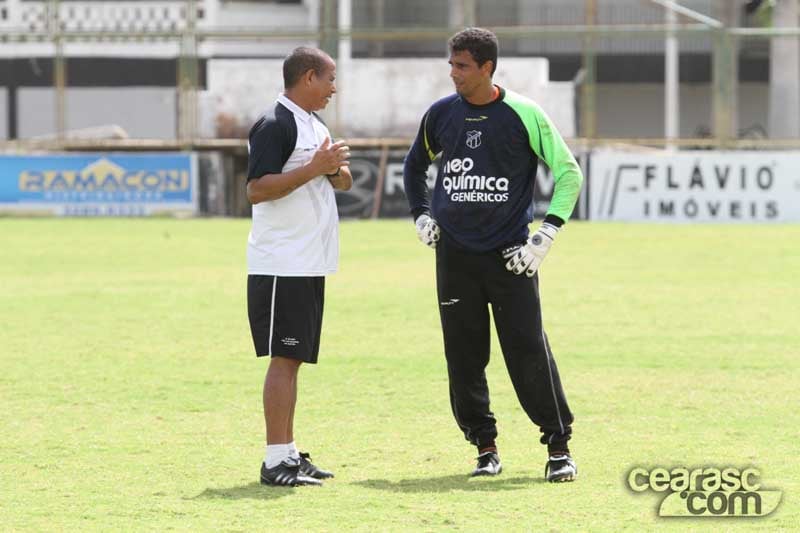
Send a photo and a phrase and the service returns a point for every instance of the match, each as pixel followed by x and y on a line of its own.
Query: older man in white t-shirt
pixel 293 170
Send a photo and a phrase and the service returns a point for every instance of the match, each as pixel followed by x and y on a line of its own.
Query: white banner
pixel 696 186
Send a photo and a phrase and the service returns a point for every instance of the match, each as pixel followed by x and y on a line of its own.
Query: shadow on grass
pixel 451 483
pixel 253 491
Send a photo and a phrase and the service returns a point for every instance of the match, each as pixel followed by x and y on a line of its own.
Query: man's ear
pixel 487 67
pixel 308 77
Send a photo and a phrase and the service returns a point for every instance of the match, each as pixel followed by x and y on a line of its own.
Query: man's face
pixel 323 86
pixel 467 76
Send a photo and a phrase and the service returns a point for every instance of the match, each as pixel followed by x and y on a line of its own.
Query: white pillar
pixel 14 8
pixel 671 81
pixel 784 75
pixel 343 62
pixel 462 13
pixel 211 8
pixel 313 15
pixel 345 24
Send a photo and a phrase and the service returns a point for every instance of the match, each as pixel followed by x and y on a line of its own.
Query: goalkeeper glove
pixel 427 230
pixel 531 254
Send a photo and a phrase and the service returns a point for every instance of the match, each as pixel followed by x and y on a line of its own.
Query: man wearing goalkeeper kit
pixel 491 141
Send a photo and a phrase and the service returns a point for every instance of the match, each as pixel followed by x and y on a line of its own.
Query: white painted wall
pixel 377 97
pixel 144 112
pixel 623 110
pixel 637 110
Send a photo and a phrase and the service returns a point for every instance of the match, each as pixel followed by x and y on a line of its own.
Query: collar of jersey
pixel 294 108
pixel 499 98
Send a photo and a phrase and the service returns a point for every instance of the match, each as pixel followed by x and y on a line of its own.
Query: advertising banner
pixel 99 184
pixel 696 186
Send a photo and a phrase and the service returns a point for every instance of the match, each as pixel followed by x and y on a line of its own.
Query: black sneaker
pixel 488 465
pixel 286 474
pixel 307 468
pixel 560 468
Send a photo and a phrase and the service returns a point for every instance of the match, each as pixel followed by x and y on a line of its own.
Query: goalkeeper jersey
pixel 483 195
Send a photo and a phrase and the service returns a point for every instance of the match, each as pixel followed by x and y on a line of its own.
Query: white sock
pixel 275 453
pixel 293 453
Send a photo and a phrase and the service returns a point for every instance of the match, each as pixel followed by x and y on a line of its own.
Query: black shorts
pixel 286 315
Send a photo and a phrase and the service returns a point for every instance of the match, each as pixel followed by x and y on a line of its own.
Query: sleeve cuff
pixel 416 212
pixel 554 220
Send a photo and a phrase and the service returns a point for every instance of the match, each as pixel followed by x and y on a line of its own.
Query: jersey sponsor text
pixel 465 187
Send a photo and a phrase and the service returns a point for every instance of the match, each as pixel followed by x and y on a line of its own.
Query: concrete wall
pixel 625 110
pixel 388 98
pixel 377 97
pixel 144 112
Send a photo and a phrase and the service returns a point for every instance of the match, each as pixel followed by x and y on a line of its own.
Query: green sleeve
pixel 550 147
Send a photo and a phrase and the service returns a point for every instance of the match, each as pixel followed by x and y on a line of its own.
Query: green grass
pixel 131 396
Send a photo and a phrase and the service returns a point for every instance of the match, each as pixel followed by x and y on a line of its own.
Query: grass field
pixel 131 396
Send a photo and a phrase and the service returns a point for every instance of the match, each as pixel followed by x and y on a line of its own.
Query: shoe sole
pixel 269 483
pixel 483 473
pixel 563 479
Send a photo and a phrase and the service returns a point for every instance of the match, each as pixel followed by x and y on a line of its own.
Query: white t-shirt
pixel 297 235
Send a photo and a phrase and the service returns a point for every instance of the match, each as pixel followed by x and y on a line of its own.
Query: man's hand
pixel 427 230
pixel 530 255
pixel 330 157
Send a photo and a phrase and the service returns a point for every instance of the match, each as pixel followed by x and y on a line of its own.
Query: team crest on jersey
pixel 473 139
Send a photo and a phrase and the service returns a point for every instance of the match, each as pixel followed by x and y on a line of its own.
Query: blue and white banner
pixel 99 184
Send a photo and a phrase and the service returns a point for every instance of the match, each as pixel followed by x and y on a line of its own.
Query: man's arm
pixel 326 160
pixel 274 186
pixel 415 168
pixel 547 143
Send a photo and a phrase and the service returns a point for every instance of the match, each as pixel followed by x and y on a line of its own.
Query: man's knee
pixel 284 364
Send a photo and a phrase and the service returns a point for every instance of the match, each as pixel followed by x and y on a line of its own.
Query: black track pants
pixel 467 283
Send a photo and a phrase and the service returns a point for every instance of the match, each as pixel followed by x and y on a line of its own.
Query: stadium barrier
pixel 694 186
pixel 620 184
pixel 99 184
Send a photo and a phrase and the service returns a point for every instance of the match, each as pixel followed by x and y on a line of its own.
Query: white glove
pixel 427 230
pixel 531 254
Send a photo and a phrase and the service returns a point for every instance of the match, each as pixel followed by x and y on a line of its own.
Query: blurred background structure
pixel 195 74
pixel 719 70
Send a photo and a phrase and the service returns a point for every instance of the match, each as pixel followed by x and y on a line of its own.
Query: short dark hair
pixel 301 60
pixel 480 43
